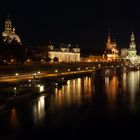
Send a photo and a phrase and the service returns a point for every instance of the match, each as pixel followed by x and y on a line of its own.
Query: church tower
pixel 132 47
pixel 111 50
pixel 108 44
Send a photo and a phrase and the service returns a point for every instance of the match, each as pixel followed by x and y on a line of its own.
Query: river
pixel 87 106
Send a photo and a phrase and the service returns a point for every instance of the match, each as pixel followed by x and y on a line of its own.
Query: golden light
pixel 28 60
pixel 16 74
pixel 56 70
pixel 12 60
pixel 34 73
pixel 78 68
pixel 118 66
pixel 41 88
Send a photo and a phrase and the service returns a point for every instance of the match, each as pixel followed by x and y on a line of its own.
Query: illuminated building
pixel 111 52
pixel 9 35
pixel 64 53
pixel 92 55
pixel 131 53
pixel 93 58
pixel 60 52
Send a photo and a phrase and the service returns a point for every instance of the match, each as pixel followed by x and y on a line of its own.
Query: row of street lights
pixel 56 71
pixel 77 69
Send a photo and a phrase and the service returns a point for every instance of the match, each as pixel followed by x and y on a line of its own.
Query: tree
pixel 48 59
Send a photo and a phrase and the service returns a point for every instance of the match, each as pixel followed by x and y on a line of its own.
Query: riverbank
pixel 10 93
pixel 51 67
pixel 7 80
pixel 14 73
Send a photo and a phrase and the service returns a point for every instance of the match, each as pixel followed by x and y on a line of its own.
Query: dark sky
pixel 82 22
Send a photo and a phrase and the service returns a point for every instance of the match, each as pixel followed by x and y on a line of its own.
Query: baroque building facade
pixel 62 52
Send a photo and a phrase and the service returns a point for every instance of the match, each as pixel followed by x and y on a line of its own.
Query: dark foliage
pixel 13 51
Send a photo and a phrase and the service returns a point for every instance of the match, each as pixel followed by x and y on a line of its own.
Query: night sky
pixel 84 23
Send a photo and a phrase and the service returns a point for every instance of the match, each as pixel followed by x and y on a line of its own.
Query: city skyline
pixel 79 23
pixel 69 69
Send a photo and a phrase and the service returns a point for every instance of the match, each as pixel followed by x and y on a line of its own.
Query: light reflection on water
pixel 39 109
pixel 124 83
pixel 122 89
pixel 78 91
pixel 111 90
pixel 118 92
pixel 13 118
pixel 133 87
pixel 71 94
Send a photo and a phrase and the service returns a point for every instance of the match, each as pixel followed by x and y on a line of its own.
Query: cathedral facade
pixel 111 52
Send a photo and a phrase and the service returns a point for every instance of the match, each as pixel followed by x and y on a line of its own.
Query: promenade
pixel 27 76
pixel 13 73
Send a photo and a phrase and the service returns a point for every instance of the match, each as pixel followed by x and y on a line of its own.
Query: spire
pixel 108 31
pixel 8 16
pixel 132 37
pixel 132 41
pixel 108 39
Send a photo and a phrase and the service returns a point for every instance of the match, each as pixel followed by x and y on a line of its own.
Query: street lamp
pixel 78 68
pixel 16 74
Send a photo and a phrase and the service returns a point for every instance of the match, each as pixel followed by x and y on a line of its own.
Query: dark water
pixel 86 107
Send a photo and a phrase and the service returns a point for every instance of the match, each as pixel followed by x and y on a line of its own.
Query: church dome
pixel 9 34
pixel 8 20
